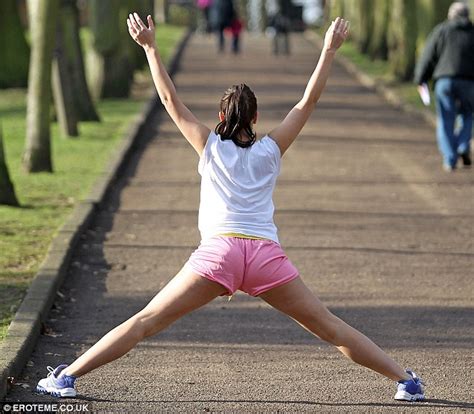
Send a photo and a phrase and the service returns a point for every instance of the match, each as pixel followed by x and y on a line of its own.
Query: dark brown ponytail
pixel 239 106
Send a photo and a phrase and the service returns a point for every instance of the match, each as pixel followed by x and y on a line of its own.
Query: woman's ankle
pixel 69 372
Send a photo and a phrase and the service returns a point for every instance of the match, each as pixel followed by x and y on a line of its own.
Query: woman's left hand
pixel 336 34
pixel 144 36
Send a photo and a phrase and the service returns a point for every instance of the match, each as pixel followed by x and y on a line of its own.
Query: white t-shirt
pixel 237 187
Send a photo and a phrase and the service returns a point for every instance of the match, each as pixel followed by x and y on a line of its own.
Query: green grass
pixel 47 199
pixel 376 68
pixel 380 70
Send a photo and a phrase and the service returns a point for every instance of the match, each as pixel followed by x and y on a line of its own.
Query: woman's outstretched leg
pixel 298 302
pixel 186 292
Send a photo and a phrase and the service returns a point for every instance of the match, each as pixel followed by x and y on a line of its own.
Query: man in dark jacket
pixel 448 58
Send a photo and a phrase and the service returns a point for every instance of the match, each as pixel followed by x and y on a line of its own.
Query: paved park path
pixel 377 229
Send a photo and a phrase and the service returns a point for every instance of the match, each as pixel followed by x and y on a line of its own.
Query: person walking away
pixel 235 29
pixel 222 16
pixel 448 58
pixel 205 7
pixel 280 23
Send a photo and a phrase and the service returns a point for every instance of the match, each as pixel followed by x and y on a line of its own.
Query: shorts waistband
pixel 242 236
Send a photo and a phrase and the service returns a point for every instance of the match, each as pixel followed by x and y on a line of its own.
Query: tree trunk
pixel 143 8
pixel 337 9
pixel 37 156
pixel 429 14
pixel 63 86
pixel 440 11
pixel 366 19
pixel 110 68
pixel 14 51
pixel 378 47
pixel 402 39
pixel 351 10
pixel 7 191
pixel 85 108
pixel 161 11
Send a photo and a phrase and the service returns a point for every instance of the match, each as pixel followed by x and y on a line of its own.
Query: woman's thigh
pixel 184 293
pixel 296 300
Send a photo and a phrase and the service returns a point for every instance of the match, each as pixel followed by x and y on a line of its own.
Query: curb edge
pixel 25 327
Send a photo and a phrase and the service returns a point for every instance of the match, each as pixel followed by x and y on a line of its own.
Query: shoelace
pixel 416 378
pixel 50 370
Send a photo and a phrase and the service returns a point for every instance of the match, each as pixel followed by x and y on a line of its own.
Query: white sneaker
pixel 56 384
pixel 410 390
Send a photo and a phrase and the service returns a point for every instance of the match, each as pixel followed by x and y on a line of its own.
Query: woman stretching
pixel 236 224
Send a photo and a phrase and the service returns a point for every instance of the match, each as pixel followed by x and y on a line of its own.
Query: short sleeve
pixel 273 150
pixel 206 152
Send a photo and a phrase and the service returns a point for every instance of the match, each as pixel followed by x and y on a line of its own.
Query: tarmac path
pixel 364 210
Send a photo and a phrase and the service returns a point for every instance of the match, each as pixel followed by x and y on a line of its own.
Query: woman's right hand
pixel 144 36
pixel 336 34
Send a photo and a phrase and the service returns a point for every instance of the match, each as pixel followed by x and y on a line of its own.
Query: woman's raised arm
pixel 193 130
pixel 288 130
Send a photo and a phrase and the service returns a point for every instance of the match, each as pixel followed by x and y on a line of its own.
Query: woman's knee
pixel 145 324
pixel 327 326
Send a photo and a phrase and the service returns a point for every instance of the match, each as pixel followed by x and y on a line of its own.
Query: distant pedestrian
pixel 279 23
pixel 205 7
pixel 448 58
pixel 223 16
pixel 239 248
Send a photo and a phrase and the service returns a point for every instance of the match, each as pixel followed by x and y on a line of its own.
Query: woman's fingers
pixel 131 29
pixel 134 23
pixel 339 24
pixel 340 27
pixel 143 35
pixel 139 21
pixel 337 33
pixel 151 24
pixel 346 28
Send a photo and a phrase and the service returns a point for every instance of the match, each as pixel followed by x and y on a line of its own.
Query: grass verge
pixel 380 71
pixel 48 199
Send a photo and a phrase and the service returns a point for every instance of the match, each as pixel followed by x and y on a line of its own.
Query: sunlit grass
pixel 47 199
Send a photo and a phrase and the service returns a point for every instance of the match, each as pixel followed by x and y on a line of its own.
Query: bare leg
pixel 298 302
pixel 186 292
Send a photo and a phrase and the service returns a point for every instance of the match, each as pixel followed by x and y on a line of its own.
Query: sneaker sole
pixel 67 392
pixel 405 396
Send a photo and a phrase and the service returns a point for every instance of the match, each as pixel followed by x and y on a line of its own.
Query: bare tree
pixel 37 155
pixel 14 51
pixel 378 46
pixel 162 11
pixel 64 101
pixel 110 64
pixel 402 38
pixel 84 105
pixel 366 19
pixel 7 191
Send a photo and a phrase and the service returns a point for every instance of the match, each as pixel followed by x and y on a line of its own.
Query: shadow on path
pixel 435 403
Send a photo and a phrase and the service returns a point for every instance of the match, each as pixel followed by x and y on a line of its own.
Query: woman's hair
pixel 239 106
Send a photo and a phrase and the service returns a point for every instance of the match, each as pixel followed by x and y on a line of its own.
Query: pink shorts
pixel 252 266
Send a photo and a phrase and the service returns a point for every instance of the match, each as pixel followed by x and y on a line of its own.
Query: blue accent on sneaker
pixel 56 384
pixel 410 390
